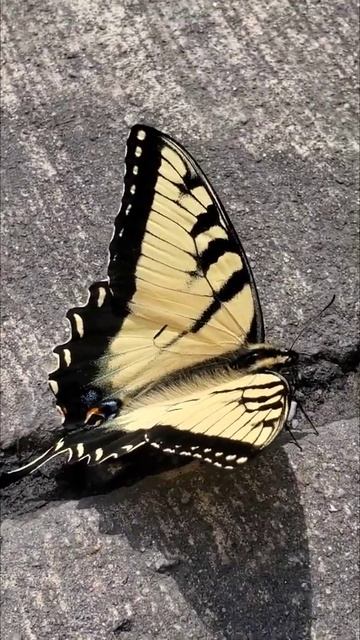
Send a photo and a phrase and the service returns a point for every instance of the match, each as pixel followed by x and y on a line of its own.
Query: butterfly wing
pixel 180 288
pixel 223 420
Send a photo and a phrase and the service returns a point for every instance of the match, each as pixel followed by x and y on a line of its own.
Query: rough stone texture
pixel 264 94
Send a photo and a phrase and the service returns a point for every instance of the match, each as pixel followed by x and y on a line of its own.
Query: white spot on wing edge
pixel 67 357
pixel 132 189
pixel 62 414
pixel 101 296
pixel 141 135
pixel 59 444
pixel 135 169
pixel 79 324
pixel 54 386
pixel 128 447
pixel 111 455
pixel 138 151
pixel 98 454
pixel 80 449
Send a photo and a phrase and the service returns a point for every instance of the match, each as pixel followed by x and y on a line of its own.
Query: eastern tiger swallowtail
pixel 169 351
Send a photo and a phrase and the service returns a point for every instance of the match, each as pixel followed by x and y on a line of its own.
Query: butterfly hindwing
pixel 220 418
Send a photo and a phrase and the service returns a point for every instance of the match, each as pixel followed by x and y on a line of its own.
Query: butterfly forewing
pixel 180 289
pixel 194 298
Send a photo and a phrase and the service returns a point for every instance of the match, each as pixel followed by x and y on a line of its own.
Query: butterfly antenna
pixel 293 438
pixel 312 320
pixel 305 414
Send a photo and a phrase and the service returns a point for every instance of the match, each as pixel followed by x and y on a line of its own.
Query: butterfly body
pixel 169 351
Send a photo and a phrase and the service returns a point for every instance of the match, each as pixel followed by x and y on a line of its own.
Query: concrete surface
pixel 263 93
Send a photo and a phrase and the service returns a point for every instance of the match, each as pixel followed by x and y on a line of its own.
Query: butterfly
pixel 169 350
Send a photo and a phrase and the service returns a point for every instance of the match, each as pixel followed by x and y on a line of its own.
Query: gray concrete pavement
pixel 263 94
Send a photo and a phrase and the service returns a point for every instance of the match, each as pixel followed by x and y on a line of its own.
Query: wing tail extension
pixel 92 447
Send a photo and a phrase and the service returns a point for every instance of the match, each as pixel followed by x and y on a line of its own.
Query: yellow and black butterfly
pixel 169 351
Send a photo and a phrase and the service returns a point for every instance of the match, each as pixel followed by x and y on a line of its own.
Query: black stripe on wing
pixel 233 286
pixel 141 172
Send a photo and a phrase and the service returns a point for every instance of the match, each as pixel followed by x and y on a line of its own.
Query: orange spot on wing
pixel 95 411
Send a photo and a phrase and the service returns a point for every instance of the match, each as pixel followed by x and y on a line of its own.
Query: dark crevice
pixel 324 368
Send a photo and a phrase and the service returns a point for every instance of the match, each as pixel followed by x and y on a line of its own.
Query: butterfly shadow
pixel 235 543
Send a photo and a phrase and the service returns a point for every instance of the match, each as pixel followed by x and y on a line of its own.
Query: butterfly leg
pixel 289 422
